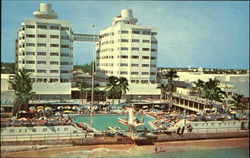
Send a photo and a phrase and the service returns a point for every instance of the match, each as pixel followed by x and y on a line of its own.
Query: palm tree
pixel 210 90
pixel 113 88
pixel 22 85
pixel 123 83
pixel 238 103
pixel 82 86
pixel 164 89
pixel 171 75
pixel 199 85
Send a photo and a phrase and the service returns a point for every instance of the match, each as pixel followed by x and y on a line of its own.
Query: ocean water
pixel 139 152
pixel 102 122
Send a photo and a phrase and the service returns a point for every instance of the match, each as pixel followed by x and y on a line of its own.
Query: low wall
pixel 74 141
pixel 195 136
pixel 128 140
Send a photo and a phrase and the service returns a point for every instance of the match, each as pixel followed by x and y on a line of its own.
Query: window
pixel 124 48
pixel 144 73
pixel 11 130
pixel 33 130
pixel 124 56
pixel 153 33
pixel 41 26
pixel 54 45
pixel 145 65
pixel 44 129
pixel 30 36
pixel 123 64
pixel 53 71
pixel 66 129
pixel 64 46
pixel 124 40
pixel 64 71
pixel 41 71
pixel 65 37
pixel 154 42
pixel 64 54
pixel 145 49
pixel 54 62
pixel 41 36
pixel 135 40
pixel 41 44
pixel 145 57
pixel 30 44
pixel 153 65
pixel 30 26
pixel 153 58
pixel 41 53
pixel 39 80
pixel 135 48
pixel 145 41
pixel 64 63
pixel 30 70
pixel 54 27
pixel 144 81
pixel 135 32
pixel 30 53
pixel 54 36
pixel 124 32
pixel 30 62
pixel 152 73
pixel 134 73
pixel 54 54
pixel 41 62
pixel 135 57
pixel 123 72
pixel 64 28
pixel 134 65
pixel 146 32
pixel 153 50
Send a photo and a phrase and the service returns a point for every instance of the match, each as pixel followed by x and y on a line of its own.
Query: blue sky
pixel 196 33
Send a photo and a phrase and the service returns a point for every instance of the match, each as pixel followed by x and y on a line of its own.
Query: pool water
pixel 102 122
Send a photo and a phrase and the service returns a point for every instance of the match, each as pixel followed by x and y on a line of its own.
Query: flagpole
pixel 92 88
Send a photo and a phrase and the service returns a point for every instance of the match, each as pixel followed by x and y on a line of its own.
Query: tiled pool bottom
pixel 102 122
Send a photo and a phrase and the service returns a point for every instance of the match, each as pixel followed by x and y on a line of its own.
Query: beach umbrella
pixel 22 111
pixel 32 110
pixel 48 108
pixel 43 118
pixel 157 106
pixel 59 107
pixel 23 119
pixel 75 107
pixel 67 107
pixel 68 112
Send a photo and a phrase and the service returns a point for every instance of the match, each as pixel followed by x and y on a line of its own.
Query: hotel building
pixel 44 47
pixel 127 50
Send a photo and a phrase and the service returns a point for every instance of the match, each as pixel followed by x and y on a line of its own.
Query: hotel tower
pixel 44 47
pixel 127 50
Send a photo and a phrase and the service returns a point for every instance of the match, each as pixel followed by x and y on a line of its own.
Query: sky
pixel 207 34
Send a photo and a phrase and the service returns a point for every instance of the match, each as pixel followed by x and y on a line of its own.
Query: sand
pixel 169 146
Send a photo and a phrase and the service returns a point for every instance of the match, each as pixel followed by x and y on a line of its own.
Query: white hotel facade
pixel 127 50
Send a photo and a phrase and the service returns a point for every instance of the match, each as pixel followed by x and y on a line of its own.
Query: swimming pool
pixel 102 122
